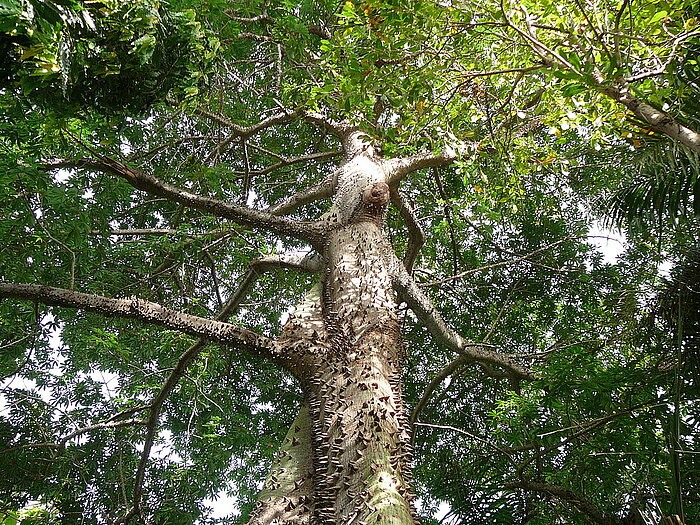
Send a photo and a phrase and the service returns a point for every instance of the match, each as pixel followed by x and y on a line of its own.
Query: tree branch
pixel 322 190
pixel 486 442
pixel 352 139
pixel 662 67
pixel 338 128
pixel 311 263
pixel 264 17
pixel 98 426
pixel 134 308
pixel 399 167
pixel 256 268
pixel 295 160
pixel 243 215
pixel 437 380
pixel 495 265
pixel 61 444
pixel 246 131
pixel 657 120
pixel 416 235
pixel 138 232
pixel 426 312
pixel 448 217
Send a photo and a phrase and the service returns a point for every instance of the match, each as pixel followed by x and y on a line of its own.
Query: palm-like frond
pixel 663 177
pixel 665 185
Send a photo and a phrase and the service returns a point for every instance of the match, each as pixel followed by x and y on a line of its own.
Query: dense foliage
pixel 113 55
pixel 548 160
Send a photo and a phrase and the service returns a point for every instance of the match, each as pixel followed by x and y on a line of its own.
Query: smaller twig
pixel 597 35
pixel 220 148
pixel 616 31
pixel 584 428
pixel 662 68
pixel 245 35
pixel 494 265
pixel 214 277
pixel 472 436
pixel 65 247
pixel 284 162
pixel 24 362
pixel 203 394
pixel 322 190
pixel 155 231
pixel 263 17
pixel 502 309
pixel 98 426
pixel 61 444
pixel 581 503
pixel 476 74
pixel 127 412
pixel 448 370
pixel 15 342
pixel 538 47
pixel 448 217
pixel 247 131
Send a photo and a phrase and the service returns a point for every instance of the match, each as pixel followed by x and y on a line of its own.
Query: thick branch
pixel 426 312
pixel 416 235
pixel 398 168
pixel 657 120
pixel 322 190
pixel 310 232
pixel 353 140
pixel 146 311
pixel 339 128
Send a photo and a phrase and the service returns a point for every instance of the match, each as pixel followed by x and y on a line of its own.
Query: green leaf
pixel 574 89
pixel 658 16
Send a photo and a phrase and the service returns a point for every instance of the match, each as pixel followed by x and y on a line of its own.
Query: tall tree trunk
pixel 349 356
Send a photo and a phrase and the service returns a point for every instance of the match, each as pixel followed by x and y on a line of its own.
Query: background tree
pixel 222 160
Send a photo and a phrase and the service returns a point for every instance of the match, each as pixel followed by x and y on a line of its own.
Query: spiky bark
pixel 347 342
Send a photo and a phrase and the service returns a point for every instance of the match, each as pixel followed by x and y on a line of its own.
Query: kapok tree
pixel 299 85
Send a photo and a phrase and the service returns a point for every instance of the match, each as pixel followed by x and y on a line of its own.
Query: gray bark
pixel 657 120
pixel 346 340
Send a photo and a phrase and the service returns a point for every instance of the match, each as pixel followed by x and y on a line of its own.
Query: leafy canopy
pixel 548 151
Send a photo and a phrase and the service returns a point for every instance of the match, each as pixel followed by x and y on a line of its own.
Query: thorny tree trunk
pixel 346 458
